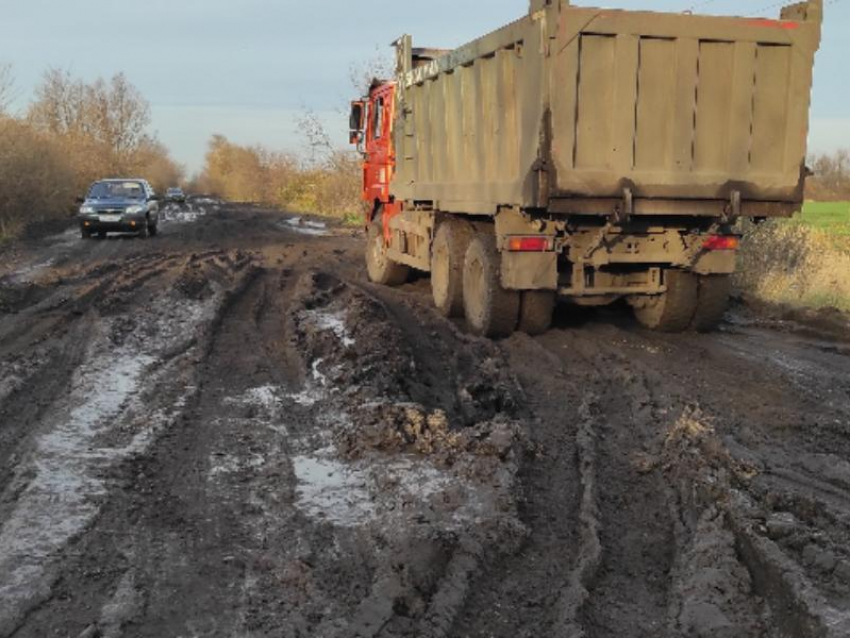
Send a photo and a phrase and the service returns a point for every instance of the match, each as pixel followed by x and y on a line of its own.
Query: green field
pixel 832 217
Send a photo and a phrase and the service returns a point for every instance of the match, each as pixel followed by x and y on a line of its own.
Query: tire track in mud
pixel 518 594
pixel 636 531
pixel 728 577
pixel 575 594
pixel 680 550
pixel 65 475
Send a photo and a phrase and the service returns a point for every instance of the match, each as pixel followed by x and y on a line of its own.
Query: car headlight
pixel 86 210
pixel 132 210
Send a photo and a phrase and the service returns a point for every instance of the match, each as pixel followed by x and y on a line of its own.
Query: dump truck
pixel 588 155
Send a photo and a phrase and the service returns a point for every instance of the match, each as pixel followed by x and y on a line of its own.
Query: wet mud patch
pixel 420 478
pixel 188 213
pixel 130 383
pixel 305 226
pixel 760 553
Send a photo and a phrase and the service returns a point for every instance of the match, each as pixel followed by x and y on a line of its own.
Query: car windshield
pixel 117 190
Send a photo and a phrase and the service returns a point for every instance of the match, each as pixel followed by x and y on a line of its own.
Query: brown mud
pixel 226 431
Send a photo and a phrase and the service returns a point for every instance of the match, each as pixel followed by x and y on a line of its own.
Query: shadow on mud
pixel 570 316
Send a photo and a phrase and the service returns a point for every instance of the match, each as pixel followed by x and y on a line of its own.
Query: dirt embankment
pixel 226 431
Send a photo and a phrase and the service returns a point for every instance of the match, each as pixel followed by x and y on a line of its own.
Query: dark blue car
pixel 119 205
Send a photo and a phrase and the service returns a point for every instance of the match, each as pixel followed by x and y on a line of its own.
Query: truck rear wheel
pixel 382 269
pixel 673 310
pixel 535 311
pixel 447 256
pixel 712 301
pixel 491 311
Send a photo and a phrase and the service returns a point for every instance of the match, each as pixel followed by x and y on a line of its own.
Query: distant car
pixel 175 195
pixel 119 205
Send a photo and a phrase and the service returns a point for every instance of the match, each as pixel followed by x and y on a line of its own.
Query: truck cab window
pixel 378 118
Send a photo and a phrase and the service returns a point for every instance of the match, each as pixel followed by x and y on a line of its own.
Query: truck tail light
pixel 536 244
pixel 720 242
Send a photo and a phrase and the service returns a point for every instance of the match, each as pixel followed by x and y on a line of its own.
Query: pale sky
pixel 248 68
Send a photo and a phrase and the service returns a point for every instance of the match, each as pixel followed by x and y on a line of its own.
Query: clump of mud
pixel 409 428
pixel 403 393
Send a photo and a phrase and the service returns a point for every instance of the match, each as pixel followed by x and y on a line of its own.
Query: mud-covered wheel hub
pixel 490 310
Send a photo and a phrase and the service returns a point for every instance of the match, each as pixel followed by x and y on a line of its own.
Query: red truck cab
pixel 371 129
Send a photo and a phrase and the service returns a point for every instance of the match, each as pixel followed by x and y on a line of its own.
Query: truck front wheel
pixel 491 311
pixel 447 255
pixel 382 269
pixel 672 310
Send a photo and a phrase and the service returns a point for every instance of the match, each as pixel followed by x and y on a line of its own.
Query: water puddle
pixel 306 226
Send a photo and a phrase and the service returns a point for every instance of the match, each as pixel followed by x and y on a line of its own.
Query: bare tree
pixel 112 114
pixel 831 179
pixel 121 114
pixel 59 105
pixel 319 144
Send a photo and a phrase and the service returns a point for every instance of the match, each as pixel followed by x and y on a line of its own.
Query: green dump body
pixel 585 111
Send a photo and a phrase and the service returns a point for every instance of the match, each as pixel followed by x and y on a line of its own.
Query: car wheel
pixel 85 233
pixel 153 230
pixel 144 231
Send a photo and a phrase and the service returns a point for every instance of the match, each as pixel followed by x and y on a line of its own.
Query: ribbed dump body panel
pixel 585 103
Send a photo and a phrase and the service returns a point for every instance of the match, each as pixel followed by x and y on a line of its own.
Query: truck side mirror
pixel 355 137
pixel 358 115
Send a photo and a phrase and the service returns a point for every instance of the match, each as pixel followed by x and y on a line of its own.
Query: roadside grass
pixel 353 219
pixel 803 261
pixel 831 218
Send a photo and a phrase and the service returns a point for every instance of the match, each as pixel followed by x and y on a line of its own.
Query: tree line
pixel 71 134
pixel 325 180
pixel 831 179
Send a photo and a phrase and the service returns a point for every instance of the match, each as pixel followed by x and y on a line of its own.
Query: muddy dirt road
pixel 226 431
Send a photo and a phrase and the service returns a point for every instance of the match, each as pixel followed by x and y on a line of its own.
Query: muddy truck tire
pixel 673 310
pixel 491 311
pixel 535 311
pixel 381 269
pixel 712 301
pixel 447 255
